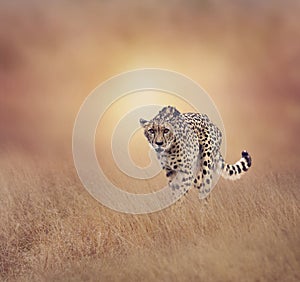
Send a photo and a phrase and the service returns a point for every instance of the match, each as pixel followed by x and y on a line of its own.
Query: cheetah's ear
pixel 143 122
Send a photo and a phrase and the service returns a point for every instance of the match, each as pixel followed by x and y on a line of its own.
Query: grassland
pixel 244 53
pixel 52 230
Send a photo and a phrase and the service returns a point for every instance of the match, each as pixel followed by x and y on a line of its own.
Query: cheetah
pixel 188 148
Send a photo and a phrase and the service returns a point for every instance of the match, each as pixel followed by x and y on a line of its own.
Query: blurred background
pixel 245 54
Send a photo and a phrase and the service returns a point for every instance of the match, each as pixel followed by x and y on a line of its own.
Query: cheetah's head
pixel 160 135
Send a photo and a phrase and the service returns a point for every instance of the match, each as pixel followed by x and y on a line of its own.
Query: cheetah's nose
pixel 158 143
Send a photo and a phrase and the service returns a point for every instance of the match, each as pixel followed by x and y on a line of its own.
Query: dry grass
pixel 52 230
pixel 244 53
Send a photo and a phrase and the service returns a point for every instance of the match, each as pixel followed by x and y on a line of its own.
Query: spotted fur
pixel 188 148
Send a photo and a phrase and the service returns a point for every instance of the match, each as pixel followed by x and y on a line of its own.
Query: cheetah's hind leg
pixel 207 176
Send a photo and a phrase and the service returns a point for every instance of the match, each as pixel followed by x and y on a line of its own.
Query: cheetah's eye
pixel 151 131
pixel 166 130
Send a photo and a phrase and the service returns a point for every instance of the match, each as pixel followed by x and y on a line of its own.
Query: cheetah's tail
pixel 236 170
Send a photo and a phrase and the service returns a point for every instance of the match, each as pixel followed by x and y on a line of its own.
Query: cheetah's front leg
pixel 179 182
